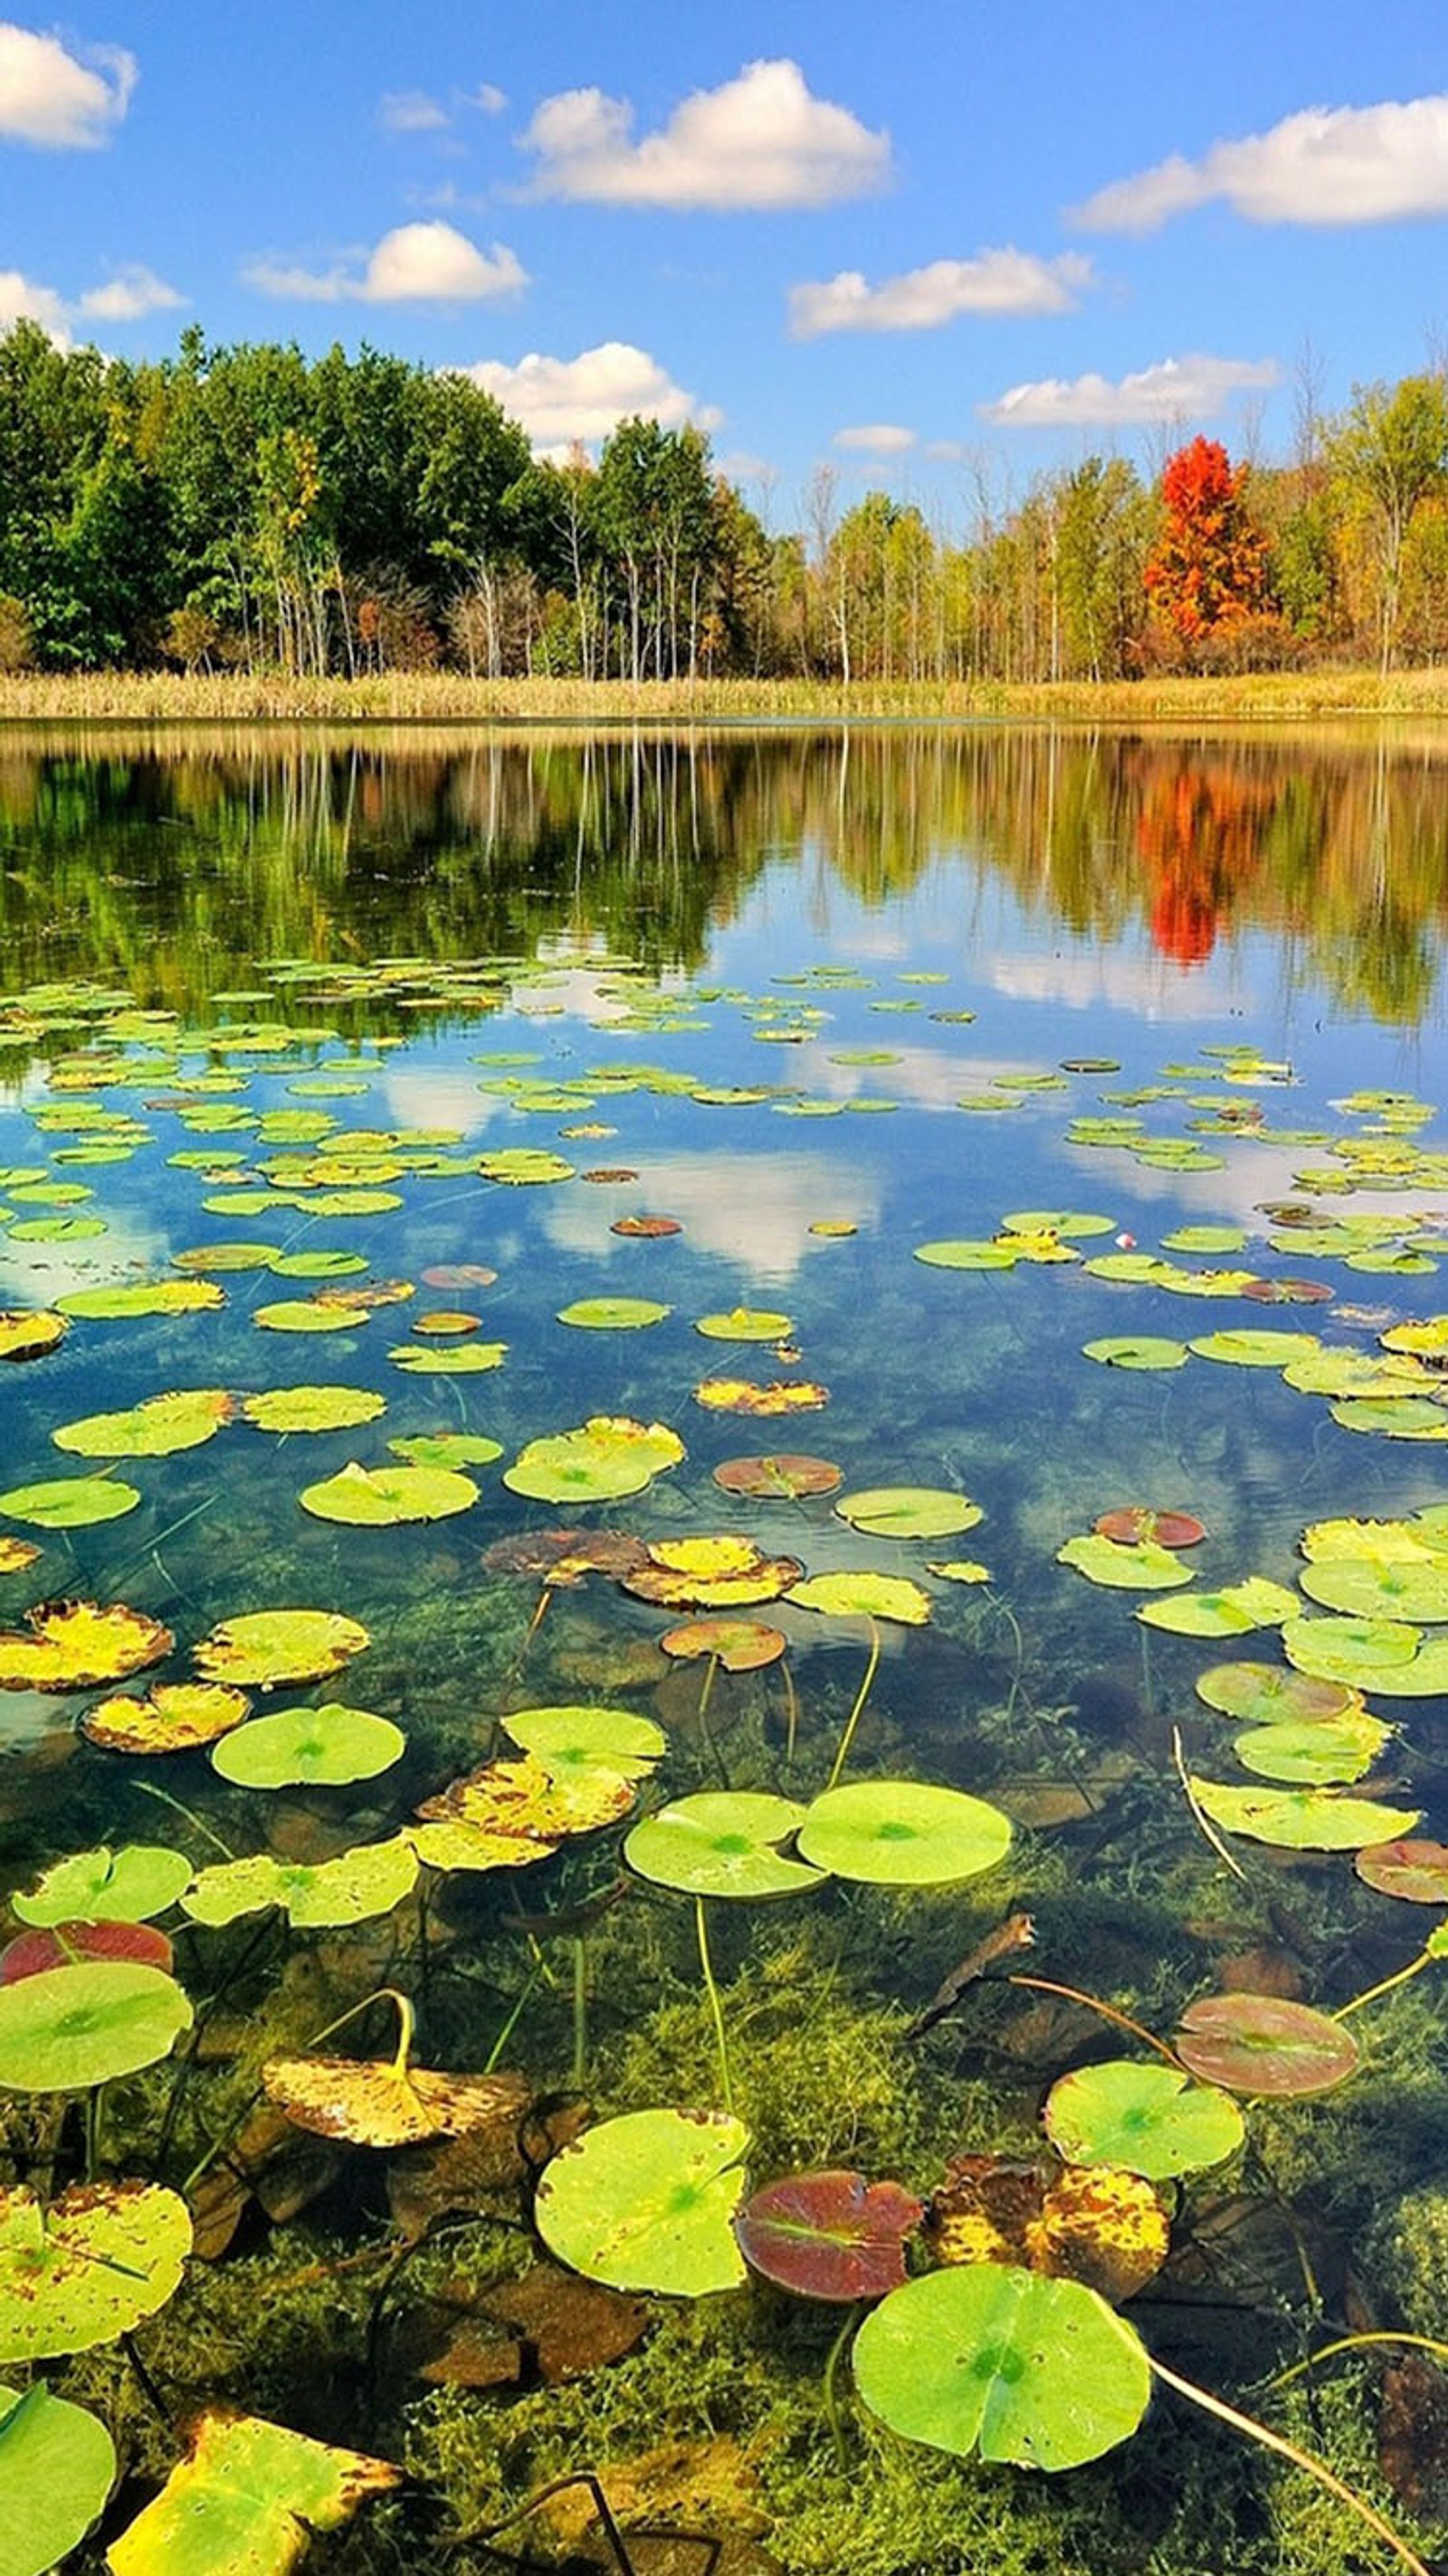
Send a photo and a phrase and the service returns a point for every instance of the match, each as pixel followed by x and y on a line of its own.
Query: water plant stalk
pixel 1108 2012
pixel 861 1695
pixel 1357 2343
pixel 1200 1818
pixel 580 2011
pixel 715 2007
pixel 833 2415
pixel 1388 1985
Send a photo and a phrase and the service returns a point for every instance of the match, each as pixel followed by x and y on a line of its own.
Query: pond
pixel 725 1639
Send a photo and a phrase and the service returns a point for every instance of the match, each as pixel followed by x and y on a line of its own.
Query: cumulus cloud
pixel 487 98
pixel 759 140
pixel 876 438
pixel 129 296
pixel 1174 389
pixel 49 97
pixel 413 264
pixel 561 401
pixel 1325 165
pixel 22 299
pixel 995 281
pixel 412 111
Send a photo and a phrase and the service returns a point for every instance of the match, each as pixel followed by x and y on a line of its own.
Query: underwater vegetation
pixel 587 1988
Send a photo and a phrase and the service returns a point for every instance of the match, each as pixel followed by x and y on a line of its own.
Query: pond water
pixel 1022 1128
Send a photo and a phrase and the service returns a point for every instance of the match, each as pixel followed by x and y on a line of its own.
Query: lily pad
pixel 645 2202
pixel 1137 1351
pixel 143 1297
pixel 782 1395
pixel 453 1359
pixel 245 2501
pixel 28 1336
pixel 614 1314
pixel 720 1573
pixel 722 1843
pixel 87 2268
pixel 1263 2046
pixel 1413 1870
pixel 1091 2223
pixel 57 2467
pixel 323 1747
pixel 70 1502
pixel 1408 1417
pixel 741 1645
pixel 1134 1523
pixel 1138 1565
pixel 383 1497
pixel 1233 1612
pixel 1369 1589
pixel 1314 1751
pixel 831 2235
pixel 746 1324
pixel 908 1511
pixel 74 2027
pixel 308 1315
pixel 1302 1819
pixel 313 1408
pixel 68 1945
pixel 377 2102
pixel 72 1645
pixel 861 1594
pixel 903 1833
pixel 986 2357
pixel 1265 1695
pixel 174 1717
pixel 566 1741
pixel 265 1648
pixel 784 1478
pixel 1150 2119
pixel 965 1253
pixel 1260 1349
pixel 369 1880
pixel 608 1457
pixel 105 1886
pixel 450 1449
pixel 155 1428
pixel 1355 1651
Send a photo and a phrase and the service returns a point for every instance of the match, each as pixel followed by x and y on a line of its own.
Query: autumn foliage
pixel 1200 834
pixel 1208 568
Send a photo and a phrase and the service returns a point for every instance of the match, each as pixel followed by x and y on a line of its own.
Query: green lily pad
pixel 320 1746
pixel 1205 1239
pixel 449 1449
pixel 1256 1603
pixel 645 2202
pixel 245 2501
pixel 142 1297
pixel 382 1497
pixel 369 1880
pixel 1137 1351
pixel 722 1843
pixel 1149 2119
pixel 1317 1752
pixel 1369 1589
pixel 903 1833
pixel 614 1314
pixel 1261 2045
pixel 567 1740
pixel 317 1265
pixel 286 1409
pixel 448 1359
pixel 70 1502
pixel 309 1315
pixel 265 1648
pixel 860 1594
pixel 1302 1819
pixel 984 2356
pixel 606 1458
pixel 1396 1417
pixel 1138 1565
pixel 222 1256
pixel 87 2268
pixel 1265 1695
pixel 1069 1223
pixel 57 2467
pixel 155 1428
pixel 746 1324
pixel 965 1254
pixel 1355 1651
pixel 70 2028
pixel 908 1511
pixel 1263 1348
pixel 103 1886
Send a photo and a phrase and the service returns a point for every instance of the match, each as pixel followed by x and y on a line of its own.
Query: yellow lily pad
pixel 266 1647
pixel 72 1645
pixel 173 1718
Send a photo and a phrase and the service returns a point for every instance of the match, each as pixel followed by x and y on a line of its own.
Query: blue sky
pixel 926 243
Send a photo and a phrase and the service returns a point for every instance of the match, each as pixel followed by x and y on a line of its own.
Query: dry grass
pixel 446 698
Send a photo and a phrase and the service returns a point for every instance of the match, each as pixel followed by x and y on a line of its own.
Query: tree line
pixel 247 507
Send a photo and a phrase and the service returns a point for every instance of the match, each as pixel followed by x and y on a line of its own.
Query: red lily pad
pixel 1288 1292
pixel 1261 2045
pixel 650 1228
pixel 742 1645
pixel 780 1479
pixel 829 2235
pixel 459 1274
pixel 65 1945
pixel 1415 1870
pixel 1134 1523
pixel 611 1172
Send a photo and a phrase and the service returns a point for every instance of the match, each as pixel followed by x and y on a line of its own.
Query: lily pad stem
pixel 1386 1985
pixel 1300 2459
pixel 406 2024
pixel 715 2007
pixel 1108 2012
pixel 833 2416
pixel 580 2012
pixel 1200 1818
pixel 95 2103
pixel 151 1789
pixel 710 1669
pixel 861 1695
pixel 791 1703
pixel 532 1979
pixel 1356 2343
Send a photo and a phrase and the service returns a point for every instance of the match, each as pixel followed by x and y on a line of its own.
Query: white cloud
pixel 129 296
pixel 415 263
pixel 562 400
pixel 23 300
pixel 995 281
pixel 1325 165
pixel 1174 389
pixel 412 111
pixel 759 140
pixel 876 438
pixel 48 97
pixel 487 98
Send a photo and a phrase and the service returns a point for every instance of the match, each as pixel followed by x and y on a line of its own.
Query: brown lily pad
pixel 609 1174
pixel 829 2235
pixel 741 1645
pixel 458 1274
pixel 1288 1292
pixel 649 1229
pixel 29 1336
pixel 1089 2223
pixel 1134 1525
pixel 1263 2045
pixel 531 1552
pixel 785 1478
pixel 64 1944
pixel 443 1323
pixel 1415 1870
pixel 567 2325
pixel 610 1552
pixel 425 2183
pixel 372 2102
pixel 172 1718
pixel 783 1395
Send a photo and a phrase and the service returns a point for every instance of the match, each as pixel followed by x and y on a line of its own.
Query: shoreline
pixel 432 698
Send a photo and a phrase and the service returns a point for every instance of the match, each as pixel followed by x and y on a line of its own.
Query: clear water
pixel 810 917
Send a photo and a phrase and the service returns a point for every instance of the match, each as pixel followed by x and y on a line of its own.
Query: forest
pixel 250 509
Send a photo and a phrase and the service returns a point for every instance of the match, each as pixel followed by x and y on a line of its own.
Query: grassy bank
pixel 448 698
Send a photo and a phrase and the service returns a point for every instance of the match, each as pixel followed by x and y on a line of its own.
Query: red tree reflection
pixel 1199 833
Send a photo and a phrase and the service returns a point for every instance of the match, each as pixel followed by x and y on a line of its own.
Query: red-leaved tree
pixel 1208 568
